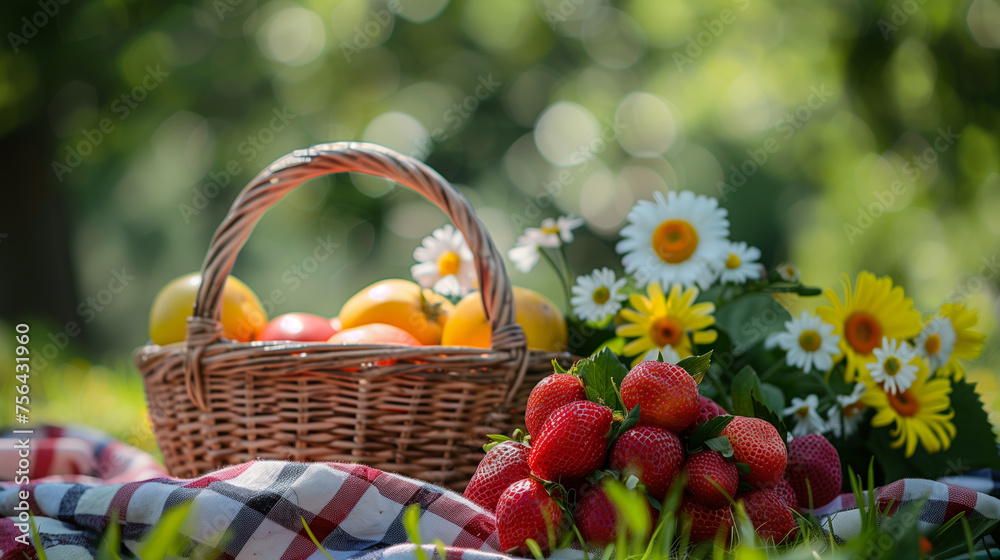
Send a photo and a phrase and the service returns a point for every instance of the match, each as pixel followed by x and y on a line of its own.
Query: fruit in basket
pixel 707 471
pixel 300 327
pixel 707 523
pixel 243 317
pixel 757 443
pixel 815 459
pixel 526 511
pixel 543 323
pixel 668 395
pixel 549 394
pixel 771 518
pixel 573 442
pixel 503 465
pixel 402 304
pixel 652 454
pixel 375 333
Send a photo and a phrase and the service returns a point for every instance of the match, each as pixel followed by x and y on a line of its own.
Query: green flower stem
pixel 562 278
pixel 775 367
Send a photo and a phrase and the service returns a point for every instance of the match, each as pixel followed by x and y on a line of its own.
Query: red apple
pixel 300 327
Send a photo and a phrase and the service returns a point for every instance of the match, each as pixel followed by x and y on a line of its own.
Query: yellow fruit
pixel 242 315
pixel 543 323
pixel 402 304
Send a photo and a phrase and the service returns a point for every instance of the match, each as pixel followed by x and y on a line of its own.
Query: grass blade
pixel 313 538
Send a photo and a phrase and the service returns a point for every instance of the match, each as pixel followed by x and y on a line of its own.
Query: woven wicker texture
pixel 215 402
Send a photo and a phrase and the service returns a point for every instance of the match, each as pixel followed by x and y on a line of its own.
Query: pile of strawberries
pixel 540 489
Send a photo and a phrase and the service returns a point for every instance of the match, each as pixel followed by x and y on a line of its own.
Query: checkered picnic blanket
pixel 255 510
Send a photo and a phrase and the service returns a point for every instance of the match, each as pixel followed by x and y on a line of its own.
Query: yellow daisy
pixel 667 324
pixel 920 414
pixel 875 309
pixel 968 343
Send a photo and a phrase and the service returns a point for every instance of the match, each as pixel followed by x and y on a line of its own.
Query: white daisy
pixel 670 355
pixel 525 253
pixel 678 239
pixel 936 342
pixel 892 367
pixel 555 232
pixel 807 419
pixel 788 272
pixel 740 264
pixel 845 416
pixel 597 296
pixel 808 342
pixel 444 253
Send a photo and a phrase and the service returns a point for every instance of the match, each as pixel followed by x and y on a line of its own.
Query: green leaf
pixel 163 539
pixel 742 468
pixel 557 367
pixel 748 400
pixel 772 397
pixel 619 428
pixel 111 541
pixel 744 487
pixel 602 374
pixel 720 444
pixel 750 319
pixel 697 365
pixel 536 550
pixel 707 431
pixel 615 344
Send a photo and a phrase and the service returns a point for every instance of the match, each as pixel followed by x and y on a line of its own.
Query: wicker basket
pixel 215 402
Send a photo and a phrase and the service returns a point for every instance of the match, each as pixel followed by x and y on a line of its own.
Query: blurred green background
pixel 128 127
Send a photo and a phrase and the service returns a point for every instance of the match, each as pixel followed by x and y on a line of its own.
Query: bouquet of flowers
pixel 865 369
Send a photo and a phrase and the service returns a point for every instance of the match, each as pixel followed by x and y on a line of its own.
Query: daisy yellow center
pixel 733 261
pixel 892 365
pixel 802 412
pixel 665 331
pixel 933 344
pixel 674 241
pixel 862 332
pixel 904 403
pixel 448 263
pixel 852 410
pixel 550 229
pixel 601 295
pixel 809 340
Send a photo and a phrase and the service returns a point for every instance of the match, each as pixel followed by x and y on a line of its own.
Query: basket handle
pixel 293 169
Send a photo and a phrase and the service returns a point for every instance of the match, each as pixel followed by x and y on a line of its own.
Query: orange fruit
pixel 375 333
pixel 402 304
pixel 243 317
pixel 543 323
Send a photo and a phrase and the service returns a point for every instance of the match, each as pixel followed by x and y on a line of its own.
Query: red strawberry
pixel 526 511
pixel 652 454
pixel 813 458
pixel 667 395
pixel 757 443
pixel 785 491
pixel 770 516
pixel 707 523
pixel 551 393
pixel 573 442
pixel 502 466
pixel 702 469
pixel 707 409
pixel 597 518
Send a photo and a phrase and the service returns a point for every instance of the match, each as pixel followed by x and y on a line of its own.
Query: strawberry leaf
pixel 720 444
pixel 557 367
pixel 696 366
pixel 602 374
pixel 743 468
pixel 619 428
pixel 748 400
pixel 707 431
pixel 744 487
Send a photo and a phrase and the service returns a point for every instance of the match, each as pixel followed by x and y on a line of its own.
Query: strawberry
pixel 707 409
pixel 708 466
pixel 652 454
pixel 551 393
pixel 757 443
pixel 573 442
pixel 502 466
pixel 813 458
pixel 526 511
pixel 770 516
pixel 785 491
pixel 706 523
pixel 667 395
pixel 597 518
